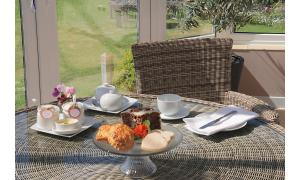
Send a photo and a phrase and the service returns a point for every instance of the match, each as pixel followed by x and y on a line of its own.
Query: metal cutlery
pixel 217 120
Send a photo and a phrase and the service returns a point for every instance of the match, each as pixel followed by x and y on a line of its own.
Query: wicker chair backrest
pixel 195 68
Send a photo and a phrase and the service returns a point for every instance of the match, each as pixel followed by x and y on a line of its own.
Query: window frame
pixel 40 48
pixel 152 20
pixel 41 52
pixel 253 38
pixel 30 61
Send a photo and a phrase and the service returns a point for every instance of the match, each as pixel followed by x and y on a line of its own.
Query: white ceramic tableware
pixel 68 132
pixel 88 122
pixel 104 89
pixel 169 104
pixel 92 104
pixel 233 122
pixel 46 116
pixel 67 124
pixel 111 101
pixel 182 113
pixel 225 130
pixel 74 110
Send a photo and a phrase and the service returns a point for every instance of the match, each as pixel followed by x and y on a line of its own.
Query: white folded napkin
pixel 228 122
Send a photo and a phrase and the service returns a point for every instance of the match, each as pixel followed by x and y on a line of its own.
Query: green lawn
pixel 19 78
pixel 277 28
pixel 203 29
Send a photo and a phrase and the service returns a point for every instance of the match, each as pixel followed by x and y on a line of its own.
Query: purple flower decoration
pixel 55 92
pixel 63 93
pixel 60 87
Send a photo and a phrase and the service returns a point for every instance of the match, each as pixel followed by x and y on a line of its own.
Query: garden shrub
pixel 126 75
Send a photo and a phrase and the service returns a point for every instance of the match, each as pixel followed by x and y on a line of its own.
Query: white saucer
pixel 181 114
pixel 88 122
pixel 73 131
pixel 93 105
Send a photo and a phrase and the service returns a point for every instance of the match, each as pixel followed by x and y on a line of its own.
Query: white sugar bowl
pixel 104 89
pixel 111 101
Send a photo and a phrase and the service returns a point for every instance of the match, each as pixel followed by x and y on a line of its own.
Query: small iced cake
pixel 136 116
pixel 47 115
pixel 73 110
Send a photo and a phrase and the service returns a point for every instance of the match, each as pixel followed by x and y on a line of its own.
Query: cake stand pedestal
pixel 138 166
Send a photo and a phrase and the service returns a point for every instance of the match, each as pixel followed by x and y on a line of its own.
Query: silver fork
pixel 217 120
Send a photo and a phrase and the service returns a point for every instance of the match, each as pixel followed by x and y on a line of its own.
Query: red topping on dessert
pixel 140 131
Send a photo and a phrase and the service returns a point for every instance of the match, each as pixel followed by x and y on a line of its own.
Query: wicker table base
pixel 254 152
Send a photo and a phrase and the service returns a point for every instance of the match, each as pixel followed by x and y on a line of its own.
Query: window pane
pixel 175 17
pixel 87 29
pixel 19 68
pixel 267 17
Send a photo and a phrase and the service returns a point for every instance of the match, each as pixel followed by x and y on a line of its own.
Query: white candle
pixel 106 68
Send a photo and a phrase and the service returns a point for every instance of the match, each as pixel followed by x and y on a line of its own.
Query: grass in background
pixel 259 28
pixel 203 29
pixel 85 31
pixel 19 70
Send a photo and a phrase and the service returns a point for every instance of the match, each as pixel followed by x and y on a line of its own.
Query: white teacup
pixel 46 116
pixel 169 104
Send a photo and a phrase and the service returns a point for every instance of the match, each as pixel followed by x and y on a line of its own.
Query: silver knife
pixel 217 120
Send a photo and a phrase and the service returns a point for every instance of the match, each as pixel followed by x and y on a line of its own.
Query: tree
pixel 222 14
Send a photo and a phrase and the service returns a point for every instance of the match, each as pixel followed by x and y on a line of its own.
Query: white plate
pixel 224 130
pixel 89 121
pixel 228 129
pixel 66 132
pixel 90 104
pixel 236 127
pixel 181 114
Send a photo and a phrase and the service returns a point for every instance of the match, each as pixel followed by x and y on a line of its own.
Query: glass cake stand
pixel 138 163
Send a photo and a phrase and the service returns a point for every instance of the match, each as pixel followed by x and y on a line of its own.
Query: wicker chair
pixel 194 68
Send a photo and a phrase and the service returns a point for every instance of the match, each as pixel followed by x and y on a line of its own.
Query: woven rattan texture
pixel 265 111
pixel 253 152
pixel 196 68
